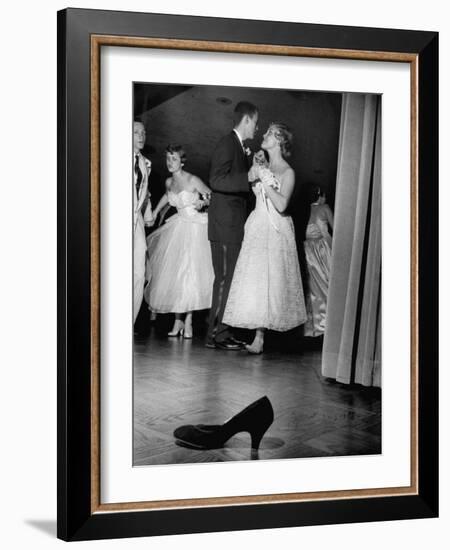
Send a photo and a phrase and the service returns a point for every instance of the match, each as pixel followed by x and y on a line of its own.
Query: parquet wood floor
pixel 180 381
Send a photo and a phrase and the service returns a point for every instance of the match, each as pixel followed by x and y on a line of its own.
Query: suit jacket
pixel 142 202
pixel 228 180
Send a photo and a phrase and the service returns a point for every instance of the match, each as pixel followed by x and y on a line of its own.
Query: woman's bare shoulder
pixel 288 172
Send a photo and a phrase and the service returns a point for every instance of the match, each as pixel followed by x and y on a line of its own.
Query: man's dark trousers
pixel 224 258
pixel 227 213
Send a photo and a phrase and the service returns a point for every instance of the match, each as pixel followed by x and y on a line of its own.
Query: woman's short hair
pixel 175 148
pixel 243 108
pixel 285 137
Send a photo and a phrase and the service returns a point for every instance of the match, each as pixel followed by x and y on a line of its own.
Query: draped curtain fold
pixel 352 342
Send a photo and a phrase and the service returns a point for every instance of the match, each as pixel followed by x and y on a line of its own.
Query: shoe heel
pixel 178 329
pixel 254 419
pixel 256 438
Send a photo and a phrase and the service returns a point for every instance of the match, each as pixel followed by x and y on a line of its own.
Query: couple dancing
pixel 254 263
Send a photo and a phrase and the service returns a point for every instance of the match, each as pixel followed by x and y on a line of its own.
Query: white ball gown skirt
pixel 179 266
pixel 267 290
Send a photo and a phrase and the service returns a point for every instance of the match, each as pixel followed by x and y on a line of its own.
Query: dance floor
pixel 179 381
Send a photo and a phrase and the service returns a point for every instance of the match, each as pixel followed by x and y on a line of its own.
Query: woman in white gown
pixel 267 291
pixel 179 265
pixel 318 259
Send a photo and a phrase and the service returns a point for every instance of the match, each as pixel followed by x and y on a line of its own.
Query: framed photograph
pixel 247 285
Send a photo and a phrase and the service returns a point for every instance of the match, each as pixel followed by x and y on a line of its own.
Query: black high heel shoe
pixel 255 419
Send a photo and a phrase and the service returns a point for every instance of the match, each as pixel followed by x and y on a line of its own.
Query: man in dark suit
pixel 227 213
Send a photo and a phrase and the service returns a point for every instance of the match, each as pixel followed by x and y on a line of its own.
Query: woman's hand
pixel 202 201
pixel 252 175
pixel 151 221
pixel 206 197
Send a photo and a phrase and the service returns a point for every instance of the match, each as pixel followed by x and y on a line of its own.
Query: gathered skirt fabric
pixel 267 290
pixel 318 258
pixel 179 265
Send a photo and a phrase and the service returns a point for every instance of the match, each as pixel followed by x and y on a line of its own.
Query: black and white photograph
pixel 225 289
pixel 256 273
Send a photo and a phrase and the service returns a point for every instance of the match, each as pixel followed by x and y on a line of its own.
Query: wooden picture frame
pixel 81 35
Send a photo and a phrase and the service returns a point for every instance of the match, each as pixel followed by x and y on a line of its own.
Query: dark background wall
pixel 198 116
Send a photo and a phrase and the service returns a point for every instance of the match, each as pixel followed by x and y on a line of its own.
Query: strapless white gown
pixel 179 265
pixel 267 290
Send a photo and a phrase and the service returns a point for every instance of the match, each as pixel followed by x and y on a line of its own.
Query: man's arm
pixel 223 177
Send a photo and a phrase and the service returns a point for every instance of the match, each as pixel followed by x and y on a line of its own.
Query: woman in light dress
pixel 267 291
pixel 179 265
pixel 318 259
